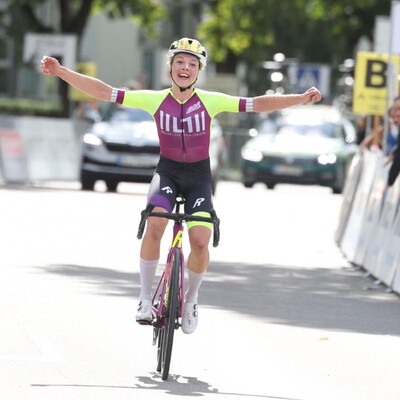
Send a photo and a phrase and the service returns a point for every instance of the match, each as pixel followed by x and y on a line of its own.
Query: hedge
pixel 30 107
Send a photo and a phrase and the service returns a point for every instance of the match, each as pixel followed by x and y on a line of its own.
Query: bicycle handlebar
pixel 179 217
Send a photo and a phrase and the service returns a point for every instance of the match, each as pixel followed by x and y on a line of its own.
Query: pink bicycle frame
pixel 165 277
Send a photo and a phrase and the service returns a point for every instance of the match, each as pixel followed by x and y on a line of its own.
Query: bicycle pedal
pixel 144 322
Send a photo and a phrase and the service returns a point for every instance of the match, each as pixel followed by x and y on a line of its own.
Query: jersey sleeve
pixel 216 102
pixel 148 100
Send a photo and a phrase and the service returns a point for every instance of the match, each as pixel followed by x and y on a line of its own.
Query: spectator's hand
pixel 312 95
pixel 50 66
pixel 367 142
pixel 388 160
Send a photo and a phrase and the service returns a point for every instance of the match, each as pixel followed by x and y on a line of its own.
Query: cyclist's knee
pixel 156 227
pixel 199 238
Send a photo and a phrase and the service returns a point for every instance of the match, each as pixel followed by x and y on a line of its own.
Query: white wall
pixel 114 46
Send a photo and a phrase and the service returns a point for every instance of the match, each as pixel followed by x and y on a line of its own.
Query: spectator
pixel 361 129
pixel 395 154
pixel 393 132
pixel 374 139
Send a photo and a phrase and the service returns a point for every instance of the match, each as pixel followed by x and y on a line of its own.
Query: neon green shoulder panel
pixel 148 100
pixel 216 102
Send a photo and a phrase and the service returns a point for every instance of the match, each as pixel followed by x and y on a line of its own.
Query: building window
pixel 3 49
pixel 3 80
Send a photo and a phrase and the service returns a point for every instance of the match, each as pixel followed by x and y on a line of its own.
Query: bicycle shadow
pixel 178 385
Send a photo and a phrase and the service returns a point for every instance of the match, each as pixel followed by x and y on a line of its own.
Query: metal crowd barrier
pixel 368 231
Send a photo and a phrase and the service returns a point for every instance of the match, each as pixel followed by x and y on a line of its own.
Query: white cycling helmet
pixel 188 46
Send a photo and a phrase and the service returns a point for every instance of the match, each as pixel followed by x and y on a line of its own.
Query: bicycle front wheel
pixel 171 316
pixel 160 343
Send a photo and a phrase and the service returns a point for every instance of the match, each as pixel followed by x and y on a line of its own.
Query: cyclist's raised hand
pixel 87 84
pixel 312 95
pixel 50 66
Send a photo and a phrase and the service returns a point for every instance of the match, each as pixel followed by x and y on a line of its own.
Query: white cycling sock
pixel 194 284
pixel 147 272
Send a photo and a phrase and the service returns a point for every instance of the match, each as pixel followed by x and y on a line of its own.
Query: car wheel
pixel 87 181
pixel 111 186
pixel 248 184
pixel 270 185
pixel 338 187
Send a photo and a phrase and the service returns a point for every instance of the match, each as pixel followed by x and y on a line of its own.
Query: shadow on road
pixel 334 299
pixel 176 385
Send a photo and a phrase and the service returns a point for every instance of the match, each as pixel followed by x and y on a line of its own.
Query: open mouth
pixel 183 76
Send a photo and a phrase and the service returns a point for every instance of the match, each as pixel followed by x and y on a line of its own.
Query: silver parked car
pixel 124 147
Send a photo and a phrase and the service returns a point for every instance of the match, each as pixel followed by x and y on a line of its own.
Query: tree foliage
pixel 309 30
pixel 27 16
pixel 74 14
pixel 325 31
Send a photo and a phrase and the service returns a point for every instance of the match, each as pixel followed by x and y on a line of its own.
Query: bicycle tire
pixel 160 342
pixel 171 315
pixel 158 333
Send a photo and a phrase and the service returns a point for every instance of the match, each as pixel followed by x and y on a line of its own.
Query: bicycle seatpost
pixel 179 200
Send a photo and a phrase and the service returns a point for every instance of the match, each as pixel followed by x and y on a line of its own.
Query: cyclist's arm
pixel 277 102
pixel 91 86
pixel 219 102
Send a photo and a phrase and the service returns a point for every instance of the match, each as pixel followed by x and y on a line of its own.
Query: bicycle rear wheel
pixel 167 334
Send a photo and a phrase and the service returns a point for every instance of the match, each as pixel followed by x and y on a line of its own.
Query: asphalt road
pixel 282 314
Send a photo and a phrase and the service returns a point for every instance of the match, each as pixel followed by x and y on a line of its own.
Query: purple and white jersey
pixel 183 127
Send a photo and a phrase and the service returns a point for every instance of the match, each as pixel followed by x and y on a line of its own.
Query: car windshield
pixel 124 114
pixel 326 130
pixel 322 130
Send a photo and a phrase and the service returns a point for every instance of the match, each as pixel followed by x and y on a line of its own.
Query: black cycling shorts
pixel 191 180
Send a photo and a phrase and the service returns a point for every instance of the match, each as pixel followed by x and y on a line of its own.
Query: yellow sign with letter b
pixel 370 83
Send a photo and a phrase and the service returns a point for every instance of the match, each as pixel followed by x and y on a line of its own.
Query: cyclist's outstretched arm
pixel 91 86
pixel 277 102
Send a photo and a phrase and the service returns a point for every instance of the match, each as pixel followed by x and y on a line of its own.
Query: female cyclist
pixel 183 116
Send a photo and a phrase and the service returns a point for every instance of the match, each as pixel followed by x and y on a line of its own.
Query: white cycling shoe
pixel 190 318
pixel 144 314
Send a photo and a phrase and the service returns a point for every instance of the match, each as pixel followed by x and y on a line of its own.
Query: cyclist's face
pixel 185 69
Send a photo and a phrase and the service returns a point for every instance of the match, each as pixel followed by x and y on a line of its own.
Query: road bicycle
pixel 168 298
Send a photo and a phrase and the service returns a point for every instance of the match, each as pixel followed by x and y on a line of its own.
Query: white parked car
pixel 124 147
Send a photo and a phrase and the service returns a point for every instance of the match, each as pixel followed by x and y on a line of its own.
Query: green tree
pixel 74 14
pixel 309 30
pixel 73 17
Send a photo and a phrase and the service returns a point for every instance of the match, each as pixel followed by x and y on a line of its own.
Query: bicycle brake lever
pixel 144 215
pixel 216 233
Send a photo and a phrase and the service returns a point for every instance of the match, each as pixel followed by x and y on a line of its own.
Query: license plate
pixel 139 160
pixel 287 170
